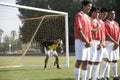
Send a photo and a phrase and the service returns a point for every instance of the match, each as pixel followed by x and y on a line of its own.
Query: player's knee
pixel 106 59
pixel 56 56
pixel 96 63
pixel 78 64
pixel 47 57
pixel 114 61
pixel 84 65
pixel 90 62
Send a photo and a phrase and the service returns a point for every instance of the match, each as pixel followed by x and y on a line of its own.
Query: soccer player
pixel 98 51
pixel 97 37
pixel 112 44
pixel 50 48
pixel 82 33
pixel 102 16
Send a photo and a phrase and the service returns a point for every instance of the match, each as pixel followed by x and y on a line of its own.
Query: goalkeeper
pixel 50 48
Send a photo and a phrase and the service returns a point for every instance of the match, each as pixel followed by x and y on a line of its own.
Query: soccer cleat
pixel 102 79
pixel 107 78
pixel 45 67
pixel 58 67
pixel 116 78
pixel 97 79
pixel 90 79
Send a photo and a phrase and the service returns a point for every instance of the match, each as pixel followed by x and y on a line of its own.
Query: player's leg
pixel 114 63
pixel 46 60
pixel 96 66
pixel 89 70
pixel 113 57
pixel 77 69
pixel 116 58
pixel 104 64
pixel 93 55
pixel 78 52
pixel 47 53
pixel 108 49
pixel 85 58
pixel 107 71
pixel 56 59
pixel 96 70
pixel 103 68
pixel 82 55
pixel 115 71
pixel 84 70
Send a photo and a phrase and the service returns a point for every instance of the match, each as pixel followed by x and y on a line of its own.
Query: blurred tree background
pixel 70 6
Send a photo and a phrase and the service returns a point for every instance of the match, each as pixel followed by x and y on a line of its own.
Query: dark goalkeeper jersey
pixel 50 45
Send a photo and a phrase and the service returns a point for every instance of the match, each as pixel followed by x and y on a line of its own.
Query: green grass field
pixel 36 72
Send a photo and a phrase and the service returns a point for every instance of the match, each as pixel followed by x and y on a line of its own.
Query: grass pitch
pixel 32 69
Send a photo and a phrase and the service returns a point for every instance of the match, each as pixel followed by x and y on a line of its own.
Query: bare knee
pixel 106 59
pixel 89 62
pixel 78 63
pixel 84 65
pixel 47 57
pixel 114 61
pixel 96 63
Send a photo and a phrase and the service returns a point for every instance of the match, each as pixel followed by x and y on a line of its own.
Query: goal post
pixel 46 18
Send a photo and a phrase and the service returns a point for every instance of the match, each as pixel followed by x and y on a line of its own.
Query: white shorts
pixel 119 50
pixel 112 54
pixel 105 53
pixel 81 52
pixel 95 55
pixel 50 52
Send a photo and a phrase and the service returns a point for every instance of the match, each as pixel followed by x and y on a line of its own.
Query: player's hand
pixel 100 46
pixel 98 27
pixel 88 45
pixel 103 45
pixel 115 47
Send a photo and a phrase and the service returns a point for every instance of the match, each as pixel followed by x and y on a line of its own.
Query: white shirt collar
pixel 112 22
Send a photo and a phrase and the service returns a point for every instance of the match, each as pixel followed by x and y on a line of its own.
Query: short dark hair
pixel 109 10
pixel 103 10
pixel 85 3
pixel 94 8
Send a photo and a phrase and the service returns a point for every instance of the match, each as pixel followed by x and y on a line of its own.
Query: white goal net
pixel 22 29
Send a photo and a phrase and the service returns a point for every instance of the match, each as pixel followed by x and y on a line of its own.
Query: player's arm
pixel 78 22
pixel 111 39
pixel 116 43
pixel 119 38
pixel 101 45
pixel 84 38
pixel 95 29
pixel 103 40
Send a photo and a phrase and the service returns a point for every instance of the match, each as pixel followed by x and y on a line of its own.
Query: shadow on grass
pixel 62 79
pixel 8 70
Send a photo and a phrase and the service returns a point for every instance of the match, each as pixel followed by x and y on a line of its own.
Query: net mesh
pixel 27 39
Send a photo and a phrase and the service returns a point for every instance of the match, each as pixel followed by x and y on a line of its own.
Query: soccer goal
pixel 22 30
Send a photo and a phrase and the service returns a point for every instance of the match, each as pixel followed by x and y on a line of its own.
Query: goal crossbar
pixel 33 8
